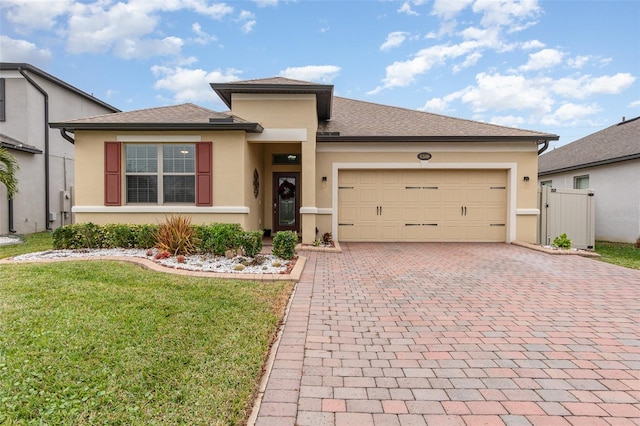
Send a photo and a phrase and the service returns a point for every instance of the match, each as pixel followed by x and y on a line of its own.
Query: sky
pixel 567 67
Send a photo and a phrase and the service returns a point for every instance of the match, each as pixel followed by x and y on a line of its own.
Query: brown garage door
pixel 422 205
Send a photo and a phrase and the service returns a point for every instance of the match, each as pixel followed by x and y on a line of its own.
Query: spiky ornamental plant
pixel 176 236
pixel 8 172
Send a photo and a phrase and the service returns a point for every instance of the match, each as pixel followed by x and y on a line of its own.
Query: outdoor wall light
pixel 526 178
pixel 324 178
pixel 324 182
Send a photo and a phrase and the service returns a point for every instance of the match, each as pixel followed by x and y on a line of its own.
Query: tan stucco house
pixel 289 155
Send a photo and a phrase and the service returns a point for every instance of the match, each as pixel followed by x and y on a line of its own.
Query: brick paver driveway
pixel 457 334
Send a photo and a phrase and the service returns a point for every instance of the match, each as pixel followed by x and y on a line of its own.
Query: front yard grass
pixel 622 254
pixel 111 343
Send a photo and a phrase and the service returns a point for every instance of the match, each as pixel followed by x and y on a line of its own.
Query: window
pixel 546 183
pixel 159 174
pixel 282 159
pixel 581 182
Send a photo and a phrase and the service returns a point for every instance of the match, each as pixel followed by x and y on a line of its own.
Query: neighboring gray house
pixel 29 100
pixel 608 162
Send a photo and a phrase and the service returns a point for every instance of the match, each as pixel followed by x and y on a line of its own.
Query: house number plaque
pixel 424 156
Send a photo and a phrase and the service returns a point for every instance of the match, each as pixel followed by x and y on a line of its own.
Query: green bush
pixel 144 235
pixel 562 241
pixel 251 242
pixel 218 237
pixel 284 244
pixel 117 235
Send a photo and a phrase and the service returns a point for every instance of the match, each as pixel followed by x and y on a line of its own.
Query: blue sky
pixel 565 67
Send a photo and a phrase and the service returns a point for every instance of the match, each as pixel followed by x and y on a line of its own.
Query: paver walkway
pixel 457 334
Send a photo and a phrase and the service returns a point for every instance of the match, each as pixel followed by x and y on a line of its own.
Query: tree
pixel 8 172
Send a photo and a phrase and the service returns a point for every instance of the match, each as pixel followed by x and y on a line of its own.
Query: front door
pixel 286 201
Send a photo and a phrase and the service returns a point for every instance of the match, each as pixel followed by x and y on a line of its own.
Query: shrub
pixel 327 239
pixel 638 243
pixel 117 235
pixel 562 241
pixel 251 242
pixel 176 236
pixel 63 237
pixel 284 244
pixel 144 236
pixel 77 236
pixel 218 237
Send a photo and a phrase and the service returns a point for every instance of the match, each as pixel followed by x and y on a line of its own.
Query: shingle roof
pixel 616 143
pixel 184 116
pixel 353 119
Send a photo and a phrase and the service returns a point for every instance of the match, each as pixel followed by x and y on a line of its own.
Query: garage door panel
pixel 423 205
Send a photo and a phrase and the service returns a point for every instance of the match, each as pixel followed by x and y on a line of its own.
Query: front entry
pixel 286 201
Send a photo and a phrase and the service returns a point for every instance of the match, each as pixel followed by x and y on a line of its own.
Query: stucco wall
pixel 617 198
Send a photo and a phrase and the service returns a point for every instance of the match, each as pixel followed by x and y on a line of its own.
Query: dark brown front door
pixel 286 201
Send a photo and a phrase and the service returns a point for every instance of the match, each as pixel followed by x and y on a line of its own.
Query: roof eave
pixel 22 148
pixel 17 66
pixel 329 138
pixel 247 127
pixel 592 164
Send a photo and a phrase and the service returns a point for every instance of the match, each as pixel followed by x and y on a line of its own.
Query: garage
pixel 422 205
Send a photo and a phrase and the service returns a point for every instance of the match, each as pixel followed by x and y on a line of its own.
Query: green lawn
pixel 623 254
pixel 111 343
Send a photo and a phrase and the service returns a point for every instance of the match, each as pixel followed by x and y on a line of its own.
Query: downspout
pixel 544 148
pixel 64 134
pixel 46 145
pixel 11 228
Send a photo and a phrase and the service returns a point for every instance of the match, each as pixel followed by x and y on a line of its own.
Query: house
pixel 608 162
pixel 29 100
pixel 289 155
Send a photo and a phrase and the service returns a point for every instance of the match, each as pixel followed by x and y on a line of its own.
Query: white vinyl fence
pixel 567 211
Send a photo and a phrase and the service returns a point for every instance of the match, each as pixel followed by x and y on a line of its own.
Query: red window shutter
pixel 204 182
pixel 112 174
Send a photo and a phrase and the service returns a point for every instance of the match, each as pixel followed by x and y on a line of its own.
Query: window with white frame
pixel 546 183
pixel 160 174
pixel 581 182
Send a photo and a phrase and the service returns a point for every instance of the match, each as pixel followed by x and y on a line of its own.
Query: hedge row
pixel 216 238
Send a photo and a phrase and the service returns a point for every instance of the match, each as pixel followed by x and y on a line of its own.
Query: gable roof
pixel 279 85
pixel 19 66
pixel 620 142
pixel 355 120
pixel 179 117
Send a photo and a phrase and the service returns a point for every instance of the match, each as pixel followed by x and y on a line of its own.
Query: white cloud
pixel 512 14
pixel 34 15
pixel 394 39
pixel 447 9
pixel 578 62
pixel 437 105
pixel 569 114
pixel 265 3
pixel 321 73
pixel 543 59
pixel 586 85
pixel 469 61
pixel 498 92
pixel 247 20
pixel 507 120
pixel 532 44
pixel 203 37
pixel 406 9
pixel 191 85
pixel 634 104
pixel 12 50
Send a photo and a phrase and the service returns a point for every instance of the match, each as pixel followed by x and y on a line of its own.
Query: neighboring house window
pixel 546 183
pixel 159 174
pixel 2 100
pixel 581 182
